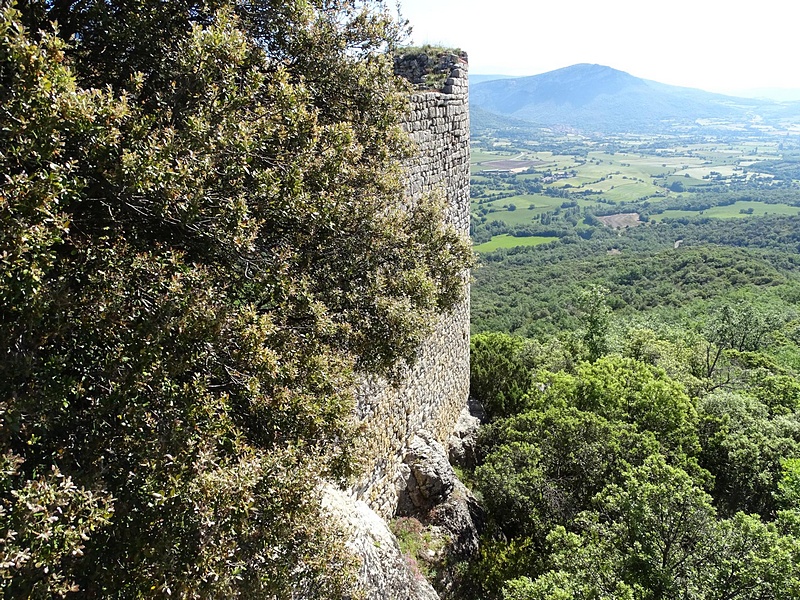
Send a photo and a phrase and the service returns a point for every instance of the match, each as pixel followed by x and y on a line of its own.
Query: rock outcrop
pixel 429 490
pixel 431 497
pixel 425 478
pixel 461 446
pixel 385 574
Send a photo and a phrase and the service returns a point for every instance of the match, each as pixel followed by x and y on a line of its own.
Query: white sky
pixel 715 45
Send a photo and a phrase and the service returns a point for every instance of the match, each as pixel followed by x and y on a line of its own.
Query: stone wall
pixel 433 392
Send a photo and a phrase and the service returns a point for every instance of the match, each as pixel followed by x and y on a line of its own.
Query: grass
pixel 521 216
pixel 509 241
pixel 524 214
pixel 732 211
pixel 630 191
pixel 630 176
pixel 420 547
pixel 478 157
pixel 687 181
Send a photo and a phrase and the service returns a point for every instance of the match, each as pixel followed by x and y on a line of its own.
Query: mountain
pixel 476 78
pixel 595 97
pixel 481 120
pixel 779 94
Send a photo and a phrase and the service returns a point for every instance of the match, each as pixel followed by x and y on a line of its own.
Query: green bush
pixel 500 372
pixel 186 291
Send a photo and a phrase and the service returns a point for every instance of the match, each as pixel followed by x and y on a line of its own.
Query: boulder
pixel 462 517
pixel 385 573
pixel 464 439
pixel 429 491
pixel 426 477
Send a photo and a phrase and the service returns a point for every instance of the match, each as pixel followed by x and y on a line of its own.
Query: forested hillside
pixel 643 422
pixel 201 241
pixel 534 290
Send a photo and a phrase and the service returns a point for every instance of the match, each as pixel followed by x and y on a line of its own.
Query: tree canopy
pixel 622 478
pixel 201 241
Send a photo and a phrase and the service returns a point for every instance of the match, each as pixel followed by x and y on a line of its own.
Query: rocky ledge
pixel 432 505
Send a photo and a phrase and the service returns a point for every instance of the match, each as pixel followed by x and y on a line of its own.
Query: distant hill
pixel 476 78
pixel 595 97
pixel 779 94
pixel 481 120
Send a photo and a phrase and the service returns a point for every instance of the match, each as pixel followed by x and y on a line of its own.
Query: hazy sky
pixel 715 45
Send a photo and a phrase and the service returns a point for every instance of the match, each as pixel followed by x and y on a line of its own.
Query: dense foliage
pixel 644 439
pixel 640 367
pixel 639 474
pixel 200 243
pixel 536 290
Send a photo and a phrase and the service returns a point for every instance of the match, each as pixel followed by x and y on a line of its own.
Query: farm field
pixel 536 203
pixel 507 241
pixel 559 185
pixel 737 210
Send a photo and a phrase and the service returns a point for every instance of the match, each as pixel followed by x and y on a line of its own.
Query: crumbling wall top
pixel 430 68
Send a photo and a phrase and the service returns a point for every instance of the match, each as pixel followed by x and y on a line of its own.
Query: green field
pixel 732 211
pixel 563 182
pixel 617 189
pixel 524 213
pixel 509 241
pixel 479 156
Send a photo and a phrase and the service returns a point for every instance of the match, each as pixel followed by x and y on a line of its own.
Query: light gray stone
pixel 461 446
pixel 463 518
pixel 429 478
pixel 384 574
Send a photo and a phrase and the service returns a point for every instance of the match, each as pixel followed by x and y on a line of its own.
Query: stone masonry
pixel 434 390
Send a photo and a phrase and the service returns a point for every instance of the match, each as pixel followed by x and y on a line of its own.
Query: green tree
pixel 201 242
pixel 596 314
pixel 662 522
pixel 736 327
pixel 656 535
pixel 677 186
pixel 543 468
pixel 788 492
pixel 501 371
pixel 744 447
pixel 627 390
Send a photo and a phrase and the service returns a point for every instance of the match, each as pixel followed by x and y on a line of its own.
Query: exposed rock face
pixel 429 490
pixel 462 518
pixel 463 442
pixel 426 477
pixel 385 573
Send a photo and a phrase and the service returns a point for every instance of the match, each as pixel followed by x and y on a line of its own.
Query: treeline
pixel 529 291
pixel 551 226
pixel 787 168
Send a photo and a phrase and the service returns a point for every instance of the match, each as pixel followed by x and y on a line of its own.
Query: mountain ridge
pixel 592 96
